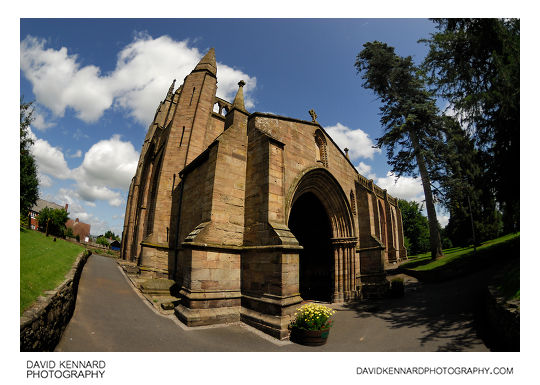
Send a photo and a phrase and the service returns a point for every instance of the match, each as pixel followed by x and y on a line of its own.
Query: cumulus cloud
pixel 357 141
pixel 107 165
pixel 407 188
pixel 365 170
pixel 110 163
pixel 50 160
pixel 144 71
pixel 44 180
pixel 40 121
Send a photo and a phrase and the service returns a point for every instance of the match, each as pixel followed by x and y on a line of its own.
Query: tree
pixel 409 118
pixel 109 234
pixel 415 227
pixel 53 221
pixel 29 184
pixel 101 240
pixel 463 179
pixel 474 64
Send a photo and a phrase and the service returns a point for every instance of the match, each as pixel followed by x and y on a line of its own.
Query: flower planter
pixel 309 337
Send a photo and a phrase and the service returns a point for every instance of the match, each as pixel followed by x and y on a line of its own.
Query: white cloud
pixel 110 163
pixel 91 193
pixel 144 71
pixel 77 154
pixel 357 141
pixel 44 180
pixel 407 188
pixel 365 170
pixel 39 121
pixel 107 165
pixel 50 160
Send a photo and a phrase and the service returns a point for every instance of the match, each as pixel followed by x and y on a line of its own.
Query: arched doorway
pixel 320 218
pixel 311 226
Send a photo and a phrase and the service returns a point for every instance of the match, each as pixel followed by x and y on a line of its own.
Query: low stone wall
pixel 44 322
pixel 502 326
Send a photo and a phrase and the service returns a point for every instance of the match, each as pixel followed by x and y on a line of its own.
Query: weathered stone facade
pixel 251 213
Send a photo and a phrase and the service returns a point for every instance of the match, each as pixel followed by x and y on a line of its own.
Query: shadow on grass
pixel 445 312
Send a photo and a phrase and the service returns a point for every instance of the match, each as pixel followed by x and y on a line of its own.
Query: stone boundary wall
pixel 44 322
pixel 502 321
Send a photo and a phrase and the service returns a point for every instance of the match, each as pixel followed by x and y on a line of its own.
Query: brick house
pixel 79 228
pixel 252 213
pixel 36 209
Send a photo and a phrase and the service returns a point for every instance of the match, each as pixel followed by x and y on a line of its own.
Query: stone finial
pixel 239 98
pixel 346 152
pixel 313 115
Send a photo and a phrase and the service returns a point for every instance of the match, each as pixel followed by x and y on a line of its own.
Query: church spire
pixel 208 62
pixel 239 98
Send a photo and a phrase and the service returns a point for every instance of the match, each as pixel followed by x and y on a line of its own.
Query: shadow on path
pixel 445 312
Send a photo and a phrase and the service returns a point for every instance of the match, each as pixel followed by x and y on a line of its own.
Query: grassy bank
pixel 460 260
pixel 44 264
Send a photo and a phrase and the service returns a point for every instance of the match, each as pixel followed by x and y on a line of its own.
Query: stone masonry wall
pixel 44 322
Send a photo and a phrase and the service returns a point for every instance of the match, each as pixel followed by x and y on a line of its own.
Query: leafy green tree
pixel 29 184
pixel 475 64
pixel 101 240
pixel 53 221
pixel 409 117
pixel 415 227
pixel 109 234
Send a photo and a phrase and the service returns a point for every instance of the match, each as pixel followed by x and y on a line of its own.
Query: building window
pixel 320 148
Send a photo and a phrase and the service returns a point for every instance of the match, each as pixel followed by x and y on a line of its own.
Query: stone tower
pixel 180 131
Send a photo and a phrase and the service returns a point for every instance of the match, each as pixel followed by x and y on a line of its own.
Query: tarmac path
pixel 111 316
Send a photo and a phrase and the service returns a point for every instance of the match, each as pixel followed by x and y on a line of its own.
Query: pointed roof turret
pixel 171 89
pixel 208 62
pixel 239 98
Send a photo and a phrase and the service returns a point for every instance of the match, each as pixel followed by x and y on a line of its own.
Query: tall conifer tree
pixel 409 118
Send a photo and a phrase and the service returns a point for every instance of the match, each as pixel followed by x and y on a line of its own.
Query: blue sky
pixel 96 84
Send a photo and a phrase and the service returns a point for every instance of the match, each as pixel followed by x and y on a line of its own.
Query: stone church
pixel 252 213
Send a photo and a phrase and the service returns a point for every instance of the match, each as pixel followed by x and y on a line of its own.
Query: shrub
pixel 312 317
pixel 78 238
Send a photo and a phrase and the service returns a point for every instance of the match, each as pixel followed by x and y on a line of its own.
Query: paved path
pixel 111 316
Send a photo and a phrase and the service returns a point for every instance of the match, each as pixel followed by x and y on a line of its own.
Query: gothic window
pixel 320 148
pixel 152 199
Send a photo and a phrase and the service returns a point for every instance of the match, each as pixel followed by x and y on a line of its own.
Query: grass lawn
pixel 423 262
pixel 44 264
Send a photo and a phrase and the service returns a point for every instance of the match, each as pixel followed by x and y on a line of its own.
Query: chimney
pixel 346 152
pixel 65 208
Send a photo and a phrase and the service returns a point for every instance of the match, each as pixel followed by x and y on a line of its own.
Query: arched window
pixel 320 148
pixel 151 204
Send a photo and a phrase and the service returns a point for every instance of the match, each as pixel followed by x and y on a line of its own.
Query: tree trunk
pixel 434 236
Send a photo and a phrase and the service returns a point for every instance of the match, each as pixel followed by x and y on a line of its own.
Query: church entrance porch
pixel 321 220
pixel 310 225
